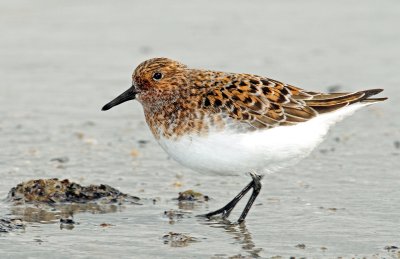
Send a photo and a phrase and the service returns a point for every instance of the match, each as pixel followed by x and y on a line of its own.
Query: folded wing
pixel 265 103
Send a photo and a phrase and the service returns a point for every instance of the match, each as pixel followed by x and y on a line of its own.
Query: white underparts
pixel 262 151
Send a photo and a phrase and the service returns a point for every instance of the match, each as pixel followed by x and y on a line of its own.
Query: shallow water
pixel 61 61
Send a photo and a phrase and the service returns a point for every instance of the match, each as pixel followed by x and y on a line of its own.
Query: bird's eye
pixel 157 76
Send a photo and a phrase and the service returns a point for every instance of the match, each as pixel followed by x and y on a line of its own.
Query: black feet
pixel 255 184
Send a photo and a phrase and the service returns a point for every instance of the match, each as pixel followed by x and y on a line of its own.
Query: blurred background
pixel 61 61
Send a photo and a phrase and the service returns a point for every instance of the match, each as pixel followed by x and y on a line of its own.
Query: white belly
pixel 263 151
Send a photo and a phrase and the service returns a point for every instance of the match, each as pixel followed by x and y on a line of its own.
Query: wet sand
pixel 60 62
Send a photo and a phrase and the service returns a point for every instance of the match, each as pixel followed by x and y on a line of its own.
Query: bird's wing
pixel 265 103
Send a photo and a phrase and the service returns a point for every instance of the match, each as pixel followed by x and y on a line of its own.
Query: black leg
pixel 255 184
pixel 256 190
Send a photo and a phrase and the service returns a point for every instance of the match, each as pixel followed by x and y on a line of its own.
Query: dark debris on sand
pixel 67 223
pixel 301 246
pixel 8 225
pixel 62 159
pixel 175 215
pixel 178 239
pixel 55 191
pixel 191 195
pixel 391 248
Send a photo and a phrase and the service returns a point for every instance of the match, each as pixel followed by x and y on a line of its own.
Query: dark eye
pixel 157 76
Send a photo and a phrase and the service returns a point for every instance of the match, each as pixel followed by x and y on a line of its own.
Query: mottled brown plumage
pixel 189 100
pixel 220 122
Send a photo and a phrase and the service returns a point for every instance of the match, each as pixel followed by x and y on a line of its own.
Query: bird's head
pixel 154 82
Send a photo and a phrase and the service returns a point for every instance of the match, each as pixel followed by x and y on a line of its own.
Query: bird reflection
pixel 240 233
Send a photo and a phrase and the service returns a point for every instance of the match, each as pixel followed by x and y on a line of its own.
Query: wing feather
pixel 264 103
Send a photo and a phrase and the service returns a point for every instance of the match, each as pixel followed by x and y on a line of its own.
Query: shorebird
pixel 224 123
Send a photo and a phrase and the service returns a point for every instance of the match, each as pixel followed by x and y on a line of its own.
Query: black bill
pixel 124 97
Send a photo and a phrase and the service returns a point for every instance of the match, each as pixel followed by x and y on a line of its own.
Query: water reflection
pixel 43 213
pixel 240 233
pixel 190 205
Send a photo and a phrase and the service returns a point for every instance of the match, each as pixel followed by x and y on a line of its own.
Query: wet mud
pixel 60 62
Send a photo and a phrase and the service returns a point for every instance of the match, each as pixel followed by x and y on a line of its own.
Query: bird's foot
pixel 225 211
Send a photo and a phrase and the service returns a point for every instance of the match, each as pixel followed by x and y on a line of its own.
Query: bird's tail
pixel 324 103
pixel 369 93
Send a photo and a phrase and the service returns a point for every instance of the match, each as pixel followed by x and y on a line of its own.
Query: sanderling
pixel 224 123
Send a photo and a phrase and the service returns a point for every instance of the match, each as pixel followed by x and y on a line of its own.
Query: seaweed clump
pixel 191 195
pixel 55 191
